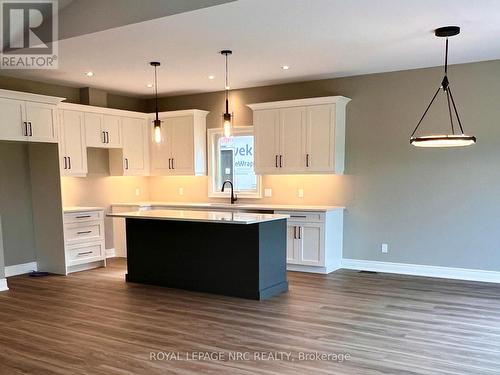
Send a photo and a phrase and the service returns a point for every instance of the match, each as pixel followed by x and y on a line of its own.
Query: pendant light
pixel 227 123
pixel 444 140
pixel 157 137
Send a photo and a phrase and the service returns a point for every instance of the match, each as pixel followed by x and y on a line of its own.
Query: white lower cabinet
pixel 314 240
pixel 84 239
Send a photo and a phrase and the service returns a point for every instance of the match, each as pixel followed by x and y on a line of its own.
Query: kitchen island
pixel 229 253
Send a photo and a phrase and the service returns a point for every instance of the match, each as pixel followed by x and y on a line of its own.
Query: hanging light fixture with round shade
pixel 444 140
pixel 157 136
pixel 227 120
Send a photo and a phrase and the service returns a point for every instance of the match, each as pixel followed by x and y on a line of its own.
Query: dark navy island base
pixel 240 260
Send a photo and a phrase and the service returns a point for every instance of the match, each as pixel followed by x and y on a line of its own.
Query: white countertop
pixel 226 206
pixel 82 209
pixel 201 216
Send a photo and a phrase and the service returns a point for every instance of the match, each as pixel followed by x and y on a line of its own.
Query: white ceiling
pixel 317 38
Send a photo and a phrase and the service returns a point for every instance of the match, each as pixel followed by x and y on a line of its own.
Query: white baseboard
pixel 3 285
pixel 310 269
pixel 422 270
pixel 110 253
pixel 19 269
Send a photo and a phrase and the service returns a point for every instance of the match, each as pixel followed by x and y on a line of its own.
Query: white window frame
pixel 212 137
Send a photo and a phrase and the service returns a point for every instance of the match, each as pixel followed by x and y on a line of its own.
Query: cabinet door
pixel 320 138
pixel 182 144
pixel 42 122
pixel 310 244
pixel 112 125
pixel 12 121
pixel 134 146
pixel 292 131
pixel 73 143
pixel 266 135
pixel 161 153
pixel 94 131
pixel 291 244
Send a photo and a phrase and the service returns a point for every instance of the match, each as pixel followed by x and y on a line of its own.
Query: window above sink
pixel 232 159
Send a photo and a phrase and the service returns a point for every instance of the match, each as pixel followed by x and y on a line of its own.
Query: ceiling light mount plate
pixel 154 63
pixel 447 31
pixel 226 52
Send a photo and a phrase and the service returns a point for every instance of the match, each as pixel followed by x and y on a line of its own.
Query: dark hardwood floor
pixel 94 323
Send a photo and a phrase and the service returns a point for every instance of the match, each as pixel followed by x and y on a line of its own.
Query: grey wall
pixel 2 261
pixel 434 207
pixel 15 204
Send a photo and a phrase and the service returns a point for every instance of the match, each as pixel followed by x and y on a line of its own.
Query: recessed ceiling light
pixel 285 67
pixel 89 74
pixel 211 77
pixel 149 85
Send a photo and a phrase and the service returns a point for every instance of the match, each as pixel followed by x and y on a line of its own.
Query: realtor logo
pixel 29 34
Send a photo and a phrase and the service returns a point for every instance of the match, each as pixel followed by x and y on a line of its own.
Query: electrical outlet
pixel 268 192
pixel 137 192
pixel 181 191
pixel 385 248
pixel 300 193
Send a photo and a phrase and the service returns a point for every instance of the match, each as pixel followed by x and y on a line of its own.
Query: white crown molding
pixel 185 112
pixel 422 270
pixel 3 285
pixel 102 110
pixel 19 95
pixel 20 269
pixel 300 102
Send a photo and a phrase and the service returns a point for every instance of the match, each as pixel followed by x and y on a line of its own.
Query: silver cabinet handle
pixel 84 232
pixel 307 160
pixel 82 217
pixel 31 129
pixel 294 232
pixel 85 253
pixel 276 161
pixel 126 163
pixel 69 162
pixel 65 163
pixel 173 165
pixel 103 137
pixel 107 136
pixel 300 233
pixel 169 165
pixel 25 129
pixel 281 161
pixel 298 216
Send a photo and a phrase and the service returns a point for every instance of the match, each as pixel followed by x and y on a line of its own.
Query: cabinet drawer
pixel 85 253
pixel 312 217
pixel 79 217
pixel 83 232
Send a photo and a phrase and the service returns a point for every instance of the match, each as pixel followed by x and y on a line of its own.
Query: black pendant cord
pixel 446 59
pixel 156 95
pixel 227 90
pixel 456 111
pixel 426 110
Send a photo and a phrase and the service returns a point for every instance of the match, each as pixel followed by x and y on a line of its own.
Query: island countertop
pixel 201 216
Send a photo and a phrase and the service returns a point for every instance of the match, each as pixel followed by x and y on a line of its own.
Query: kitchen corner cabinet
pixel 315 240
pixel 133 158
pixel 300 136
pixel 183 149
pixel 28 117
pixel 102 130
pixel 72 147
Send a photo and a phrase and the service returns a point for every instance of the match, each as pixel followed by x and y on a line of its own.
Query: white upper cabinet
pixel 133 159
pixel 72 147
pixel 28 117
pixel 300 136
pixel 267 136
pixel 183 150
pixel 103 130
